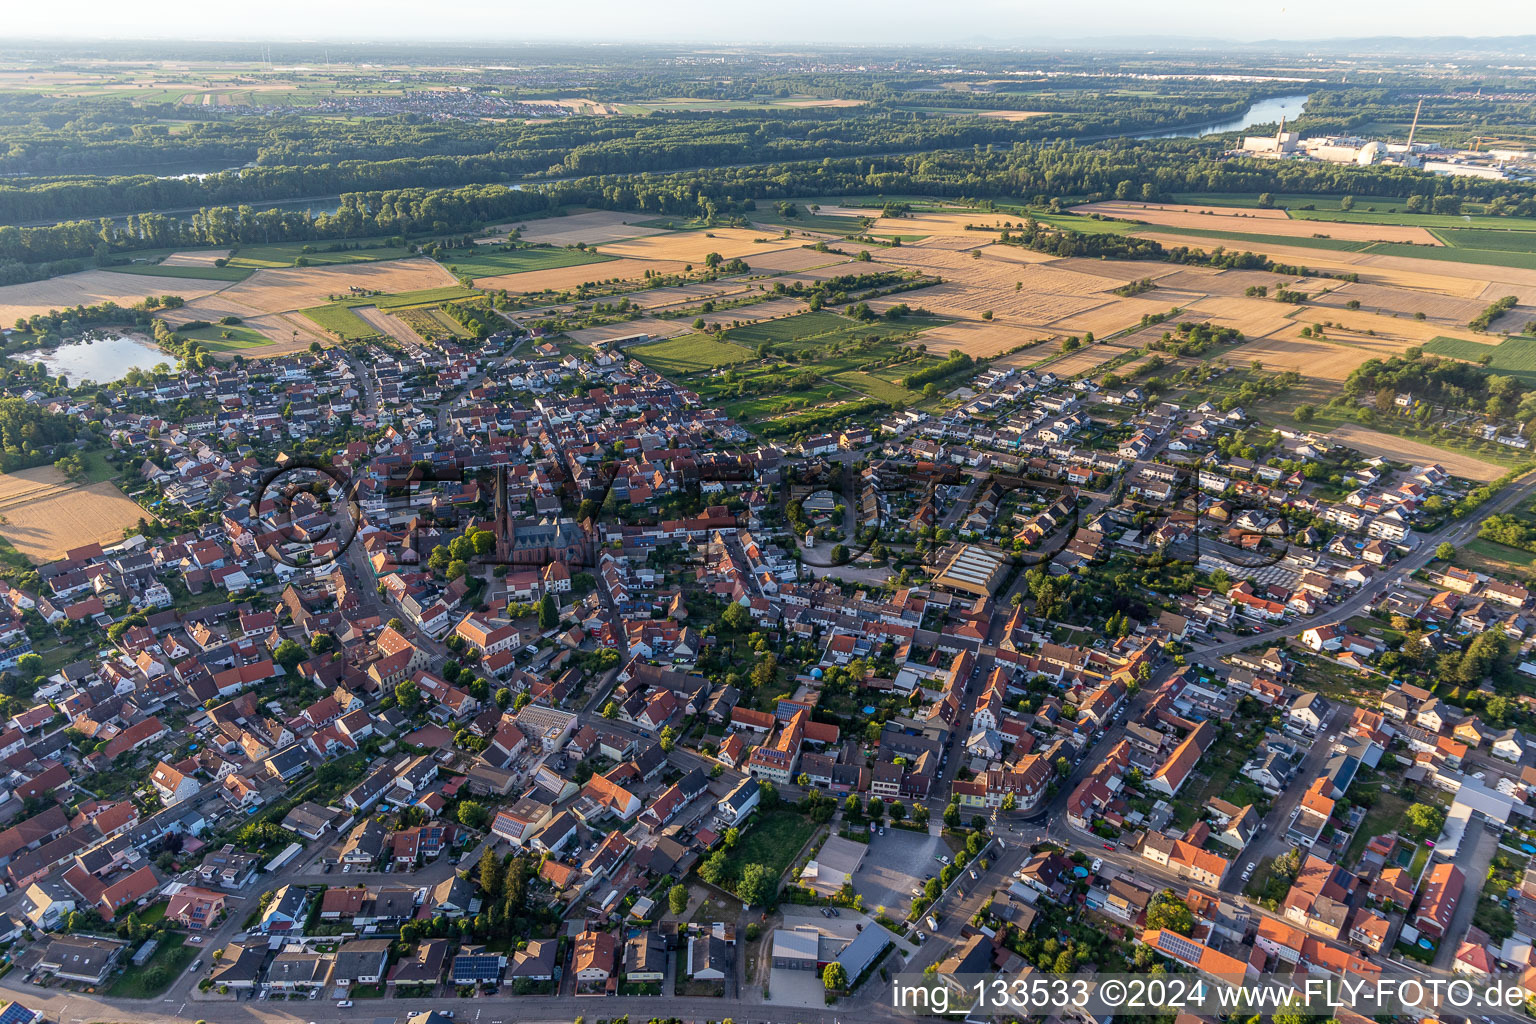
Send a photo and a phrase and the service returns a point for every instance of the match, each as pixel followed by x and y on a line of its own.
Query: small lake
pixel 103 360
pixel 1267 111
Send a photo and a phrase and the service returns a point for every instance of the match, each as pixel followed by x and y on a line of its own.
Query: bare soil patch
pixel 1374 442
pixel 1403 302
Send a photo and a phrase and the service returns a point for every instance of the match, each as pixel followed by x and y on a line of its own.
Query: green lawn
pixel 773 838
pixel 491 260
pixel 239 337
pixel 1481 555
pixel 192 273
pixel 170 958
pixel 339 319
pixel 1384 817
pixel 690 353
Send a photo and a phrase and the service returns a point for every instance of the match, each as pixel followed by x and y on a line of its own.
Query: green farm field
pixel 259 257
pixel 690 353
pixel 1514 355
pixel 1367 210
pixel 339 319
pixel 419 297
pixel 490 261
pixel 185 273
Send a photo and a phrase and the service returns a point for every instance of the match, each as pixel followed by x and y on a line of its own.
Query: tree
pixel 1426 819
pixel 952 816
pixel 549 615
pixel 668 738
pixel 736 618
pixel 288 654
pixel 1445 551
pixel 677 900
pixel 1305 412
pixel 920 814
pixel 715 870
pixel 898 811
pixel 610 711
pixel 473 814
pixel 1166 910
pixel 522 700
pixel 503 698
pixel 732 837
pixel 758 886
pixel 407 695
pixel 491 875
pixel 834 977
pixel 1009 801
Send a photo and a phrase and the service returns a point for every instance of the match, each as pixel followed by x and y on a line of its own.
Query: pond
pixel 104 359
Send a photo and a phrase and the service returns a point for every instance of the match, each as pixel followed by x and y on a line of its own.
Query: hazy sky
pixel 807 22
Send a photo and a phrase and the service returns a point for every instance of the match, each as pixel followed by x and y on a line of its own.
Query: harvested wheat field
pixel 283 289
pixel 648 326
pixel 30 484
pixel 1117 315
pixel 795 259
pixel 977 339
pixel 1468 279
pixel 1010 115
pixel 1374 442
pixel 1330 359
pixel 196 258
pixel 1404 302
pixel 1254 317
pixel 1115 272
pixel 955 243
pixel 1526 293
pixel 693 246
pixel 91 288
pixel 1514 321
pixel 946 224
pixel 1226 218
pixel 593 227
pixel 1079 361
pixel 45 527
pixel 1018 254
pixel 562 278
pixel 839 269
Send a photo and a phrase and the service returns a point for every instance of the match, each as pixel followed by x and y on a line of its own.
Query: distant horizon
pixel 807 24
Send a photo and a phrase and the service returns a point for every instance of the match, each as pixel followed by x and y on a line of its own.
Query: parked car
pixel 343 1004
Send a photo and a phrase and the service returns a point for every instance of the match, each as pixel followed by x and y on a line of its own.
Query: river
pixel 102 360
pixel 1268 111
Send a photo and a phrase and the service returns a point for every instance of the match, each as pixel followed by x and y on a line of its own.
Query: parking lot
pixel 897 863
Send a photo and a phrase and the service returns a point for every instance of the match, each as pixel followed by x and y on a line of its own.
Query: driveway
pixel 896 863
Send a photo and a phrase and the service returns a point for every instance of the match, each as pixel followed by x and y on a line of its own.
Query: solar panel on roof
pixel 1177 945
